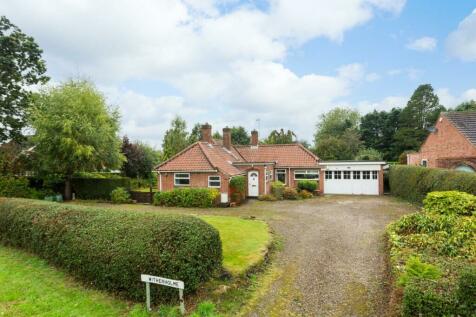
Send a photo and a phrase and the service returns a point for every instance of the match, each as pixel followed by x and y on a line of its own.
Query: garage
pixel 352 177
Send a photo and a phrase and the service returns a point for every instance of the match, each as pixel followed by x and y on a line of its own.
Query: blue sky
pixel 229 62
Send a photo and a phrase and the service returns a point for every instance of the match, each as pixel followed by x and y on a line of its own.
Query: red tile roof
pixel 202 156
pixel 284 155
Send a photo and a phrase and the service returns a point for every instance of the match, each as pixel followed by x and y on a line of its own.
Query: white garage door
pixel 351 182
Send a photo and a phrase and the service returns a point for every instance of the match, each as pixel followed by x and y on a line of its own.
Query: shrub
pixel 98 188
pixel 310 186
pixel 450 203
pixel 290 193
pixel 188 197
pixel 415 268
pixel 205 309
pixel 19 187
pixel 413 183
pixel 110 250
pixel 466 292
pixel 238 188
pixel 267 197
pixel 421 300
pixel 304 194
pixel 120 196
pixel 277 189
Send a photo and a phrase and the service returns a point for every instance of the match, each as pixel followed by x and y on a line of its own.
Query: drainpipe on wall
pixel 160 181
pixel 265 170
pixel 289 176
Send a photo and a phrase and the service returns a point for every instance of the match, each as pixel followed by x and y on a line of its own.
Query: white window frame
pixel 214 186
pixel 176 177
pixel 356 173
pixel 366 175
pixel 280 171
pixel 374 174
pixel 269 175
pixel 348 173
pixel 328 174
pixel 337 174
pixel 306 172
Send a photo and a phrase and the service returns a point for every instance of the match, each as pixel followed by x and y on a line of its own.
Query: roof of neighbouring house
pixel 284 155
pixel 465 122
pixel 203 157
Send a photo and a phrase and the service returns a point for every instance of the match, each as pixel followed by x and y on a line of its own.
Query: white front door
pixel 253 188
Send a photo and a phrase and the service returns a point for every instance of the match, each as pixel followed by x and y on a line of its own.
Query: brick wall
pixel 197 180
pixel 446 142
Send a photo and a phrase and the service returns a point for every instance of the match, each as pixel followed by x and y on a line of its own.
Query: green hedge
pixel 277 189
pixel 413 183
pixel 188 197
pixel 310 186
pixel 98 188
pixel 110 250
pixel 20 187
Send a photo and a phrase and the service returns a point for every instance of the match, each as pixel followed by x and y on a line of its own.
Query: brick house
pixel 451 144
pixel 212 163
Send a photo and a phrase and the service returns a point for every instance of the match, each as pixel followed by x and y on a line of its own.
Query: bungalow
pixel 213 163
pixel 451 144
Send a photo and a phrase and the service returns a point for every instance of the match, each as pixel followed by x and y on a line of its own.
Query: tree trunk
pixel 67 189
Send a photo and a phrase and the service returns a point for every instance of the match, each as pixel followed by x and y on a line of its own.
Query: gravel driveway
pixel 333 259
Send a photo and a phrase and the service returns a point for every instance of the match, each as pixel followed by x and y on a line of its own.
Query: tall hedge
pixel 414 182
pixel 98 188
pixel 110 250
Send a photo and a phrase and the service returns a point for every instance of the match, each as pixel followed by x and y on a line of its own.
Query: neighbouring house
pixel 212 163
pixel 451 143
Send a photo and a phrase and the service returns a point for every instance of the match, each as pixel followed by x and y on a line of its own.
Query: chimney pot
pixel 206 133
pixel 254 138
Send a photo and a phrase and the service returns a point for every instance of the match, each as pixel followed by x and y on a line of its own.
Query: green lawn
pixel 30 287
pixel 244 241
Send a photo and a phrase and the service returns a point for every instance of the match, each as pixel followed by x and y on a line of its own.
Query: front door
pixel 253 189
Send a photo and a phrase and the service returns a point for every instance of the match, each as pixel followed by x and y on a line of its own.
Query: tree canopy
pixel 422 109
pixel 239 136
pixel 337 136
pixel 175 139
pixel 140 159
pixel 281 137
pixel 75 131
pixel 21 66
pixel 466 106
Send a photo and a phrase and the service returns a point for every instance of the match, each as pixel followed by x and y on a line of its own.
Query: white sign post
pixel 166 282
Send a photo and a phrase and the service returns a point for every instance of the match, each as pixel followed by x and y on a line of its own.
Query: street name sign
pixel 150 279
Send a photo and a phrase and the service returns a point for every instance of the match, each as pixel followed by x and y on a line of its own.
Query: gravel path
pixel 333 260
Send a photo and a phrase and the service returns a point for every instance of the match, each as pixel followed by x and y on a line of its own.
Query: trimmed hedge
pixel 188 197
pixel 310 186
pixel 110 250
pixel 20 187
pixel 98 188
pixel 413 183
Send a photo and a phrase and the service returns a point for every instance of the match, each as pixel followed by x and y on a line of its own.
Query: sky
pixel 262 64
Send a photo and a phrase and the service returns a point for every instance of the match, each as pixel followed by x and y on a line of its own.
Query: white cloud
pixel 372 77
pixel 411 72
pixel 227 65
pixel 423 44
pixel 385 104
pixel 449 100
pixel 462 42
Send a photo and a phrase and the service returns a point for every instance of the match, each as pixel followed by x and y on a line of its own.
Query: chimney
pixel 227 138
pixel 254 138
pixel 206 133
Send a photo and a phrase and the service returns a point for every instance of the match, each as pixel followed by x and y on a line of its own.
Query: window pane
pixel 356 174
pixel 182 181
pixel 182 175
pixel 374 174
pixel 214 178
pixel 337 174
pixel 346 174
pixel 328 174
pixel 366 174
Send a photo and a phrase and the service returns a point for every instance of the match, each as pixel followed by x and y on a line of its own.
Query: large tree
pixel 140 159
pixel 239 136
pixel 422 109
pixel 196 134
pixel 281 137
pixel 378 130
pixel 175 139
pixel 21 66
pixel 75 131
pixel 337 136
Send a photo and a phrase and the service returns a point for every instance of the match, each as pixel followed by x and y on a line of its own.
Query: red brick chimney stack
pixel 254 137
pixel 206 133
pixel 227 138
